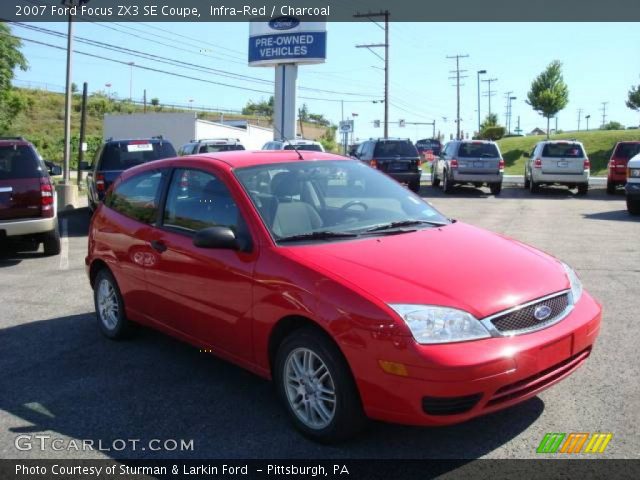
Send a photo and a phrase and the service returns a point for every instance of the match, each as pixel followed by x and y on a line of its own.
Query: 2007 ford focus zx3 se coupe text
pixel 353 294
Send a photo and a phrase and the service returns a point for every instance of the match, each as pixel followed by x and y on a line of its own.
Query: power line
pixel 490 93
pixel 457 78
pixel 604 113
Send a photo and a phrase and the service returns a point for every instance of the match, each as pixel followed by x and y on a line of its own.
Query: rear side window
pixel 394 148
pixel 562 150
pixel 311 147
pixel 625 151
pixel 124 155
pixel 138 197
pixel 478 150
pixel 18 162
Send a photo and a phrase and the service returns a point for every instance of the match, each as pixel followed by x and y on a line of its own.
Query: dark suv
pixel 116 156
pixel 28 210
pixel 396 157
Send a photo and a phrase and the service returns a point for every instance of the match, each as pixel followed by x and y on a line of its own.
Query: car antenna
pixel 277 130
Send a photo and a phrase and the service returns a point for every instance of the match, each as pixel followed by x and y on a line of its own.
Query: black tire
pixel 527 182
pixel 583 188
pixel 348 416
pixel 51 242
pixel 414 186
pixel 533 186
pixel 121 327
pixel 435 181
pixel 633 205
pixel 611 187
pixel 495 188
pixel 447 186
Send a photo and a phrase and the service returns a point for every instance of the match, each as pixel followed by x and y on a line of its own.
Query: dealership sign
pixel 287 40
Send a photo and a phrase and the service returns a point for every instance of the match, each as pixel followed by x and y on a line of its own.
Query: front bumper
pixel 632 189
pixel 29 226
pixel 490 374
pixel 476 177
pixel 561 178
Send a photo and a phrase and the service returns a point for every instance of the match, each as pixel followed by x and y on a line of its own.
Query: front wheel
pixel 583 188
pixel 495 188
pixel 315 383
pixel 112 320
pixel 633 205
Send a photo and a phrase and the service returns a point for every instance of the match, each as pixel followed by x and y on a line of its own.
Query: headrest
pixel 286 184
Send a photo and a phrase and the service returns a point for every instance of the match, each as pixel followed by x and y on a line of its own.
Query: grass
pixel 597 143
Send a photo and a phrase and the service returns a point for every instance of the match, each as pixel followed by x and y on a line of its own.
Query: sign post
pixel 285 43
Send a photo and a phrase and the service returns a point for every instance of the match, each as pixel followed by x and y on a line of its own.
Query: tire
pixel 527 182
pixel 533 186
pixel 117 326
pixel 583 188
pixel 447 187
pixel 414 186
pixel 495 188
pixel 633 206
pixel 51 242
pixel 435 181
pixel 344 417
pixel 611 187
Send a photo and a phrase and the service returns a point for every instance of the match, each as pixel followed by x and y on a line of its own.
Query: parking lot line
pixel 64 243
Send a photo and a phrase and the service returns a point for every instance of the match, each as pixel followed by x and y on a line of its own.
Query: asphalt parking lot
pixel 59 376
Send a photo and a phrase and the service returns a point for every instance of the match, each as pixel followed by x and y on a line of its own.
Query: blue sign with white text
pixel 288 47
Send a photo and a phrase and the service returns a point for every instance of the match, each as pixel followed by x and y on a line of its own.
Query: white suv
pixel 557 162
pixel 299 144
pixel 632 188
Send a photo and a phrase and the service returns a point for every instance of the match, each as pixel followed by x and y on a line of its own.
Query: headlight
pixel 574 282
pixel 431 324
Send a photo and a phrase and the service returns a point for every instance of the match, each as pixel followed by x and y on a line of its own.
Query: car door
pixel 203 293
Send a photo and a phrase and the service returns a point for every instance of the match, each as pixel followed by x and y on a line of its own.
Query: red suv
pixel 304 267
pixel 617 171
pixel 28 209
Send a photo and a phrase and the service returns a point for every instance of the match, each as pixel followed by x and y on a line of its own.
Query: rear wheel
pixel 414 185
pixel 435 181
pixel 447 187
pixel 112 320
pixel 611 187
pixel 51 242
pixel 526 180
pixel 533 186
pixel 633 205
pixel 316 386
pixel 583 188
pixel 495 188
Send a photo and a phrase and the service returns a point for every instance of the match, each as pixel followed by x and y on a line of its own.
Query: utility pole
pixel 457 85
pixel 131 64
pixel 518 130
pixel 507 107
pixel 480 72
pixel 83 123
pixel 579 117
pixel 371 15
pixel 604 112
pixel 490 93
pixel 144 99
pixel 556 124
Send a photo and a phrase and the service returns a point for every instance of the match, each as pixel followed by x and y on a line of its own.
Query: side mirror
pixel 53 169
pixel 85 166
pixel 216 237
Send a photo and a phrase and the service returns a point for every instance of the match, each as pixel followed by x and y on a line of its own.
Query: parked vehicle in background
pixel 632 188
pixel 116 156
pixel 351 151
pixel 28 207
pixel 210 145
pixel 557 162
pixel 305 272
pixel 298 144
pixel 617 168
pixel 477 162
pixel 397 157
pixel 427 145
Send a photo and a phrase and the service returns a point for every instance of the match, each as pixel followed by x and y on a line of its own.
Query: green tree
pixel 633 101
pixel 262 108
pixel 155 101
pixel 304 113
pixel 549 94
pixel 491 120
pixel 11 102
pixel 612 125
pixel 328 139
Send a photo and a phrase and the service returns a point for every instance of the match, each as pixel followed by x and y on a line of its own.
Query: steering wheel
pixel 354 203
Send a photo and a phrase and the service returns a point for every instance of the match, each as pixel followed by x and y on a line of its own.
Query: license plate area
pixel 555 352
pixel 398 167
pixel 563 164
pixel 478 164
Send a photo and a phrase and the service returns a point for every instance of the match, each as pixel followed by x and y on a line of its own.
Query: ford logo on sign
pixel 284 23
pixel 542 312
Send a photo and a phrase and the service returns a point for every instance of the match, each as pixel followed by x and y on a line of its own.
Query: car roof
pixel 126 140
pixel 567 140
pixel 14 141
pixel 474 141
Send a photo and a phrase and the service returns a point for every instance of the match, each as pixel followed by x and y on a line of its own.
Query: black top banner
pixel 320 10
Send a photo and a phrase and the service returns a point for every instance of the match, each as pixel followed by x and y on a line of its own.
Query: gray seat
pixel 292 216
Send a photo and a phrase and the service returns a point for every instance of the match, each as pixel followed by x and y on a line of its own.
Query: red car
pixel 310 269
pixel 617 168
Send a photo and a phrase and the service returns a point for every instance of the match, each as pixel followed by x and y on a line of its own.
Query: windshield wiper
pixel 404 223
pixel 321 235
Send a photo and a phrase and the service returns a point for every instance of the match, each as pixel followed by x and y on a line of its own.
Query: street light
pixel 108 85
pixel 587 117
pixel 480 72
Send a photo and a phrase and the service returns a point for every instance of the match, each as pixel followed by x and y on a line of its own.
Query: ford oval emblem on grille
pixel 542 312
pixel 284 23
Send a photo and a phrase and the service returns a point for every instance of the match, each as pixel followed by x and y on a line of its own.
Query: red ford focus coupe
pixel 354 295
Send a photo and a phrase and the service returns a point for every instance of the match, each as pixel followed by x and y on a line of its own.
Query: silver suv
pixel 557 162
pixel 477 162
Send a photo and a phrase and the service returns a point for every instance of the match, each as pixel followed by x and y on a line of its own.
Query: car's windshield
pixel 127 154
pixel 332 197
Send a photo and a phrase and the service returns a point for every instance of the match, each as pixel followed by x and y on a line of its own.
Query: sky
pixel 601 61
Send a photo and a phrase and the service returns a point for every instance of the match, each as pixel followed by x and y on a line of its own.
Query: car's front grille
pixel 525 318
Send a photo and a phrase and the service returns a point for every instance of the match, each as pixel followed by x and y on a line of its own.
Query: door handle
pixel 158 246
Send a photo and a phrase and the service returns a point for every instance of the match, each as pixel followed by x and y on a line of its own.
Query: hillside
pixel 43 121
pixel 598 144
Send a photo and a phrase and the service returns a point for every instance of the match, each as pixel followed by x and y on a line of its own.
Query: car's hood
pixel 458 265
